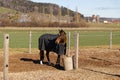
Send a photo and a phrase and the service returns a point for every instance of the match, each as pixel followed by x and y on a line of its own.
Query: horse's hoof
pixel 49 63
pixel 57 66
pixel 41 63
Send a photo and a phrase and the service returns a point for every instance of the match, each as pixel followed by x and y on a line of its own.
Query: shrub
pixel 7 22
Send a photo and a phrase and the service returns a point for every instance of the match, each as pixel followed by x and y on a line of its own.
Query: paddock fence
pixel 27 40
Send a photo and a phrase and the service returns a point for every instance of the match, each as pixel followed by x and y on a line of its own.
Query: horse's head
pixel 61 38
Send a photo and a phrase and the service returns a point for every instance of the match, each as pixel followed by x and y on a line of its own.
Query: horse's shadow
pixel 30 60
pixel 45 63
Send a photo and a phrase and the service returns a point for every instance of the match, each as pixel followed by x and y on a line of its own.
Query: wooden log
pixel 68 44
pixel 30 41
pixel 6 58
pixel 76 49
pixel 110 39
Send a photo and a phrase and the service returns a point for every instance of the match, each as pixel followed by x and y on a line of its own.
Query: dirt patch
pixel 103 63
pixel 27 62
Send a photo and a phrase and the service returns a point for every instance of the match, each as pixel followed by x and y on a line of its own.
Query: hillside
pixel 26 6
pixel 38 14
pixel 4 10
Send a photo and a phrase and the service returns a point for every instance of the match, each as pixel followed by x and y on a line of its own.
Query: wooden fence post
pixel 76 49
pixel 6 51
pixel 110 39
pixel 68 44
pixel 30 41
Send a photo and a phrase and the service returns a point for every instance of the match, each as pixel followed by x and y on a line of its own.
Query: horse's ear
pixel 59 30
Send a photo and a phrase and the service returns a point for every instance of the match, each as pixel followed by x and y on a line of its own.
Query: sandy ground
pixel 94 64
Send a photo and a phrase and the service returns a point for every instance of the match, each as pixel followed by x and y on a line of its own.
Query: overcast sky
pixel 103 8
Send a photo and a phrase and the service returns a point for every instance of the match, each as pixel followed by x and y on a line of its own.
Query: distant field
pixel 20 38
pixel 102 25
pixel 6 10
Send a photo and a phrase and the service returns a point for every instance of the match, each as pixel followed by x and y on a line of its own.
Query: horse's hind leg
pixel 41 56
pixel 47 54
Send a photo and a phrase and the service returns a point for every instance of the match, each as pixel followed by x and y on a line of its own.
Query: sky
pixel 103 8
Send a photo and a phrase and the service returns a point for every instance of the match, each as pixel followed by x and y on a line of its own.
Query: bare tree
pixel 51 14
pixel 59 15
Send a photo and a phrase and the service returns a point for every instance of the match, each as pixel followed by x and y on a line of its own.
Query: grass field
pixel 6 10
pixel 102 25
pixel 20 38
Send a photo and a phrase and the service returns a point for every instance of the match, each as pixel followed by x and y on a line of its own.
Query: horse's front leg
pixel 58 61
pixel 47 54
pixel 41 56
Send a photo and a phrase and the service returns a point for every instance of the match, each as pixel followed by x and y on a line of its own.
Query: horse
pixel 52 43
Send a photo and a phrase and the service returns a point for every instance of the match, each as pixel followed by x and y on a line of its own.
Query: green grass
pixel 6 10
pixel 92 38
pixel 102 25
pixel 20 38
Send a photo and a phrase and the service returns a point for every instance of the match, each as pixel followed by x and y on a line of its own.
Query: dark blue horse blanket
pixel 47 42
